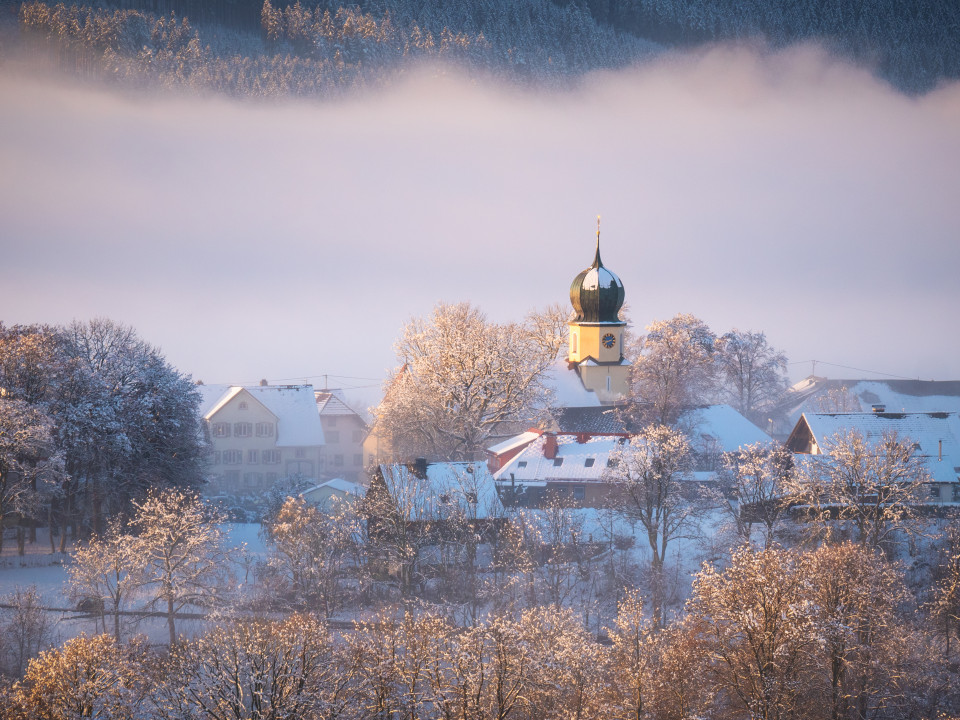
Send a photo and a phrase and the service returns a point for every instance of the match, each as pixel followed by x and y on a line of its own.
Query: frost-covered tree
pixel 866 490
pixel 310 552
pixel 548 329
pixel 177 545
pixel 945 603
pixel 755 488
pixel 255 669
pixel 89 677
pixel 126 419
pixel 26 447
pixel 753 375
pixel 855 596
pixel 25 629
pixel 648 472
pixel 463 382
pixel 674 367
pixel 105 572
pixel 758 633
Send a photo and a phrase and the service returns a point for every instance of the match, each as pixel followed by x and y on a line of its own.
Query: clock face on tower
pixel 608 340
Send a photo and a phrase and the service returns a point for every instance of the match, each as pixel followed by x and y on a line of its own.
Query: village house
pixel 344 432
pixel 259 435
pixel 935 437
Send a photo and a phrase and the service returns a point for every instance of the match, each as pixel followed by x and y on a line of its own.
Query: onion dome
pixel 597 293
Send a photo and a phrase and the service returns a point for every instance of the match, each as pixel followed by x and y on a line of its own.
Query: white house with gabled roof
pixel 259 435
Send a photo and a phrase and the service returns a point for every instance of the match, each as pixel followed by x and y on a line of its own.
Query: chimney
pixel 878 407
pixel 420 468
pixel 549 446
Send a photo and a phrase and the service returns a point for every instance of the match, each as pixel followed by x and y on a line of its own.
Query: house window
pixel 579 492
pixel 338 460
pixel 370 458
pixel 322 461
pixel 557 462
pixel 253 457
pixel 271 478
pixel 608 383
pixel 573 342
pixel 956 492
pixel 358 459
pixel 243 406
pixel 253 479
pixel 333 436
pixel 232 476
pixel 243 429
pixel 221 430
pixel 300 453
pixel 332 421
pixel 589 462
pixel 357 436
pixel 271 457
pixel 264 429
pixel 935 491
pixel 215 457
pixel 232 457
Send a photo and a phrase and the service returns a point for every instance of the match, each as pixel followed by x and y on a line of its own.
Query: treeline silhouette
pixel 246 47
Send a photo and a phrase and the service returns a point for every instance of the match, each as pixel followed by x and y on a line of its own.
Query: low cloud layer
pixel 788 192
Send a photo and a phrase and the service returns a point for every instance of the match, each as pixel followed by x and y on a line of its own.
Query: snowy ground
pixel 47 573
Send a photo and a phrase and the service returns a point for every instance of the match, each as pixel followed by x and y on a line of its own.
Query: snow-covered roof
pixel 936 434
pixel 294 407
pixel 332 402
pixel 721 423
pixel 568 389
pixel 211 395
pixel 812 394
pixel 345 486
pixel 468 485
pixel 515 442
pixel 577 461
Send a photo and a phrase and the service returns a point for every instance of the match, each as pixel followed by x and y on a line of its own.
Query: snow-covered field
pixel 47 573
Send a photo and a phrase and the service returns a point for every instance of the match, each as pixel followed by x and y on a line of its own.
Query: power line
pixel 847 367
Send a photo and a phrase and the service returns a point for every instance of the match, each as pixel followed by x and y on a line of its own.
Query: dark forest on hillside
pixel 248 48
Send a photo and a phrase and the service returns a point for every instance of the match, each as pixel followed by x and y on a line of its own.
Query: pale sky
pixel 790 193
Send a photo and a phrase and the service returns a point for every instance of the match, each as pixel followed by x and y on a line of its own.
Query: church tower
pixel 596 331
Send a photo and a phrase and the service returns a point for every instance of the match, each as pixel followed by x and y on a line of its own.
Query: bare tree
pixel 309 553
pixel 89 677
pixel 178 548
pixel 753 627
pixel 753 375
pixel 649 472
pixel 250 669
pixel 674 367
pixel 463 381
pixel 105 572
pixel 755 488
pixel 26 629
pixel 870 490
pixel 548 329
pixel 26 443
pixel 945 603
